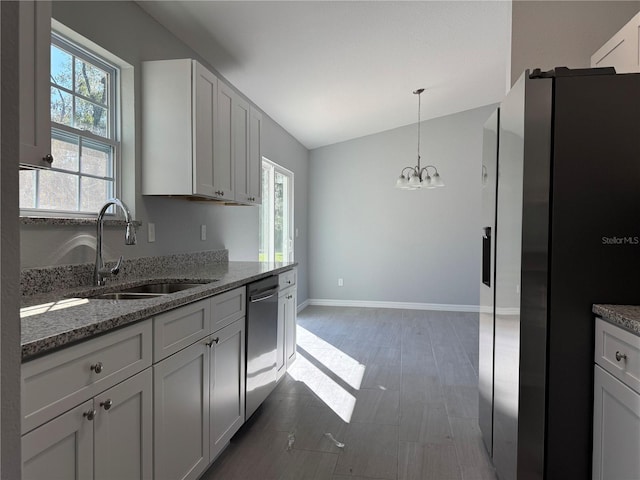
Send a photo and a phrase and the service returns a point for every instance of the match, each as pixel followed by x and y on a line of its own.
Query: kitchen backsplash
pixel 42 280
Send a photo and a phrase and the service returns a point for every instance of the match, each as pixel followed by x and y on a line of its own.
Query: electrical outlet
pixel 151 232
pixel 203 232
pixel 340 282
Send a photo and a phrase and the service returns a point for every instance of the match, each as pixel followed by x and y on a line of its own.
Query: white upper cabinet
pixel 179 124
pixel 248 158
pixel 225 147
pixel 241 149
pixel 622 51
pixel 200 138
pixel 208 176
pixel 35 119
pixel 254 169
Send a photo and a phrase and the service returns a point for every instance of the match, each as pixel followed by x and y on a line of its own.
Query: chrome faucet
pixel 101 273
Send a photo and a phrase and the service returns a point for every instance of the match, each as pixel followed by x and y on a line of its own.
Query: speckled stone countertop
pixel 624 316
pixel 61 317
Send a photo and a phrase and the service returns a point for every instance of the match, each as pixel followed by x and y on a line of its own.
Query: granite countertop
pixel 624 316
pixel 62 317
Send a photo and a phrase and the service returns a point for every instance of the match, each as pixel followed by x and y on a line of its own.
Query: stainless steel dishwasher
pixel 261 341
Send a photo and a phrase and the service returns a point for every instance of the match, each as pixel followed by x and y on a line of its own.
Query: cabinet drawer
pixel 287 279
pixel 179 328
pixel 618 352
pixel 227 308
pixel 53 384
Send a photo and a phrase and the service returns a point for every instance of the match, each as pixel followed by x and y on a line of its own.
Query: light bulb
pixel 437 181
pixel 402 182
pixel 414 181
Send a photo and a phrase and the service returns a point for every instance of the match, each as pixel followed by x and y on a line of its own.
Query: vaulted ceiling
pixel 330 71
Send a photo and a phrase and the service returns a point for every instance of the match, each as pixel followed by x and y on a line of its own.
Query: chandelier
pixel 419 177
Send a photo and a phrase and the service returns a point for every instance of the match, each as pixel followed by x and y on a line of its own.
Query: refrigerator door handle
pixel 486 256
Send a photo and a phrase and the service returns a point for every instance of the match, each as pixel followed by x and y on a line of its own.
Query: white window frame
pixel 279 169
pixel 81 51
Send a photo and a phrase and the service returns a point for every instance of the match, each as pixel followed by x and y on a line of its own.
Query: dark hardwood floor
pixel 397 387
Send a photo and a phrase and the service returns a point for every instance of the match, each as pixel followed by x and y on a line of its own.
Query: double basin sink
pixel 149 290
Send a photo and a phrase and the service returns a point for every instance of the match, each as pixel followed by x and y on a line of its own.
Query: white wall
pixel 547 34
pixel 393 245
pixel 131 34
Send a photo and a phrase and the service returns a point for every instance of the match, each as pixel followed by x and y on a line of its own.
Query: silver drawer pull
pixel 107 404
pixel 90 415
pixel 97 367
pixel 621 356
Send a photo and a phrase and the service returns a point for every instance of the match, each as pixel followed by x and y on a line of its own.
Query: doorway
pixel 276 214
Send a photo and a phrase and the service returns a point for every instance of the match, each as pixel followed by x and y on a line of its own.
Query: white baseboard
pixel 303 305
pixel 399 305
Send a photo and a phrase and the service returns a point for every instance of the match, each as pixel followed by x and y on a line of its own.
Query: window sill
pixel 75 222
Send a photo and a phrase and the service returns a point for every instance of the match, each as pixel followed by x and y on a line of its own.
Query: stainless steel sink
pixel 148 290
pixel 161 288
pixel 126 296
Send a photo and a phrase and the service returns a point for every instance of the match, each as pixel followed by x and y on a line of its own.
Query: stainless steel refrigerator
pixel 561 218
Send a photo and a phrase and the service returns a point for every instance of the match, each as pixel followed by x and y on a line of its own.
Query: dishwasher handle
pixel 263 295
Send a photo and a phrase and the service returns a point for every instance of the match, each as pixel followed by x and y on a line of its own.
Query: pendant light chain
pixel 419 117
pixel 419 177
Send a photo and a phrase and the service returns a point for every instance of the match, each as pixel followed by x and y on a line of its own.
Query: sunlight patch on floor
pixel 332 394
pixel 344 366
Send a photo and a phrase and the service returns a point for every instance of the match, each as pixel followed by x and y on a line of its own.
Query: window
pixel 84 140
pixel 276 214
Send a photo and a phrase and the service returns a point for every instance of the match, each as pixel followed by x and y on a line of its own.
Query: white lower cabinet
pixel 107 437
pixel 61 448
pixel 199 391
pixel 616 404
pixel 290 325
pixel 181 414
pixel 616 429
pixel 97 411
pixel 287 324
pixel 226 385
pixel 123 430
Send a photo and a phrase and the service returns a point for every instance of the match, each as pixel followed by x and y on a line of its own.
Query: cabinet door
pixel 227 384
pixel 616 429
pixel 241 149
pixel 123 430
pixel 622 51
pixel 290 327
pixel 60 449
pixel 35 103
pixel 254 168
pixel 54 383
pixel 181 414
pixel 223 164
pixel 281 357
pixel 208 178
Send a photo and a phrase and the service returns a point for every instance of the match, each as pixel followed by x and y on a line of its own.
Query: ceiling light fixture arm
pixel 413 178
pixel 425 169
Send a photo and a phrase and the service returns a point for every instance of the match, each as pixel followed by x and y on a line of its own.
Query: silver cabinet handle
pixel 210 343
pixel 97 367
pixel 90 415
pixel 107 404
pixel 621 356
pixel 48 158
